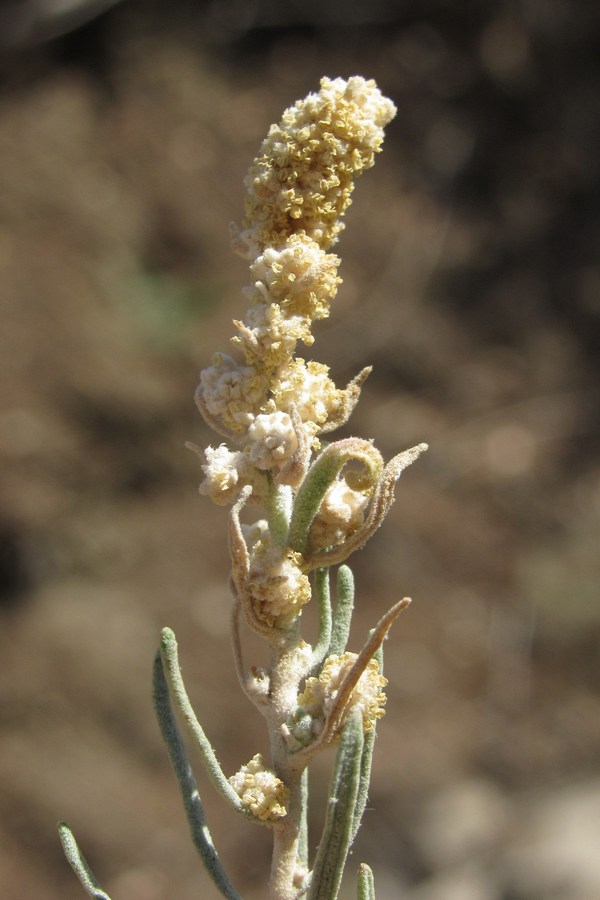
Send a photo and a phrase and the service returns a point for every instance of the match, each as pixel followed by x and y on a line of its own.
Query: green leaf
pixel 322 474
pixel 344 607
pixel 365 765
pixel 321 647
pixel 303 831
pixel 172 673
pixel 366 883
pixel 79 864
pixel 187 783
pixel 337 832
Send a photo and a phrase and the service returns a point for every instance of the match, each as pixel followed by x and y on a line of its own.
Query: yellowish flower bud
pixel 223 472
pixel 320 693
pixel 260 790
pixel 232 392
pixel 272 440
pixel 340 514
pixel 278 588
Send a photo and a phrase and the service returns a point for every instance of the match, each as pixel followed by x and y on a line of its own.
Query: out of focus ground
pixel 471 283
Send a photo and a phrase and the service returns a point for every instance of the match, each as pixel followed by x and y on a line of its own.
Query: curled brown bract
pixel 215 422
pixel 240 567
pixel 350 397
pixel 293 472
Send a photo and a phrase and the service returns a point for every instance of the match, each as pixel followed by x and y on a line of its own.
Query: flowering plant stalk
pixel 306 505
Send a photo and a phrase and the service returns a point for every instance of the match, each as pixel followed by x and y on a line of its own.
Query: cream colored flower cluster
pixel 269 404
pixel 260 791
pixel 303 178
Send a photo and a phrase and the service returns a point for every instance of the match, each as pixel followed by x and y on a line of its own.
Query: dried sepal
pixel 294 470
pixel 349 397
pixel 338 709
pixel 240 566
pixel 213 421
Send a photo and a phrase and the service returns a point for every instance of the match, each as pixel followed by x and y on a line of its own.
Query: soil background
pixel 471 283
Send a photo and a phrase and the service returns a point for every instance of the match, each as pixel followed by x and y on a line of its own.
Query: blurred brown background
pixel 471 282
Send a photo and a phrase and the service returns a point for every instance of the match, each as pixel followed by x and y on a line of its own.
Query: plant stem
pixel 285 861
pixel 289 665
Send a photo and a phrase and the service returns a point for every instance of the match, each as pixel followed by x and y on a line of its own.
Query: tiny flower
pixel 309 387
pixel 257 531
pixel 320 693
pixel 268 339
pixel 260 790
pixel 272 440
pixel 340 514
pixel 223 471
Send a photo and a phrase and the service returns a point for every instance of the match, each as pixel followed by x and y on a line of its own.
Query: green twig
pixel 279 510
pixel 187 783
pixel 79 864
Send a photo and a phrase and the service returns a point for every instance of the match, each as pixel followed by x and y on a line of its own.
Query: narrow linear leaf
pixel 365 765
pixel 79 864
pixel 364 780
pixel 322 644
pixel 337 832
pixel 342 615
pixel 310 494
pixel 172 672
pixel 366 883
pixel 303 832
pixel 280 503
pixel 187 783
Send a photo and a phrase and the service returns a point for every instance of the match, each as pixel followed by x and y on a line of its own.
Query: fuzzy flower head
pixel 230 393
pixel 311 390
pixel 297 275
pixel 320 693
pixel 260 790
pixel 303 178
